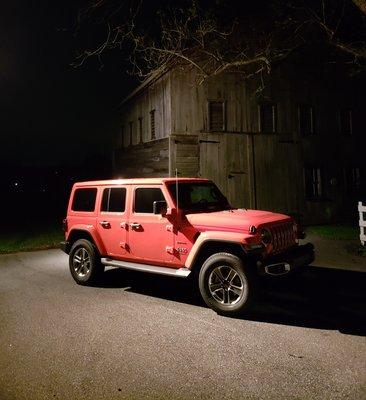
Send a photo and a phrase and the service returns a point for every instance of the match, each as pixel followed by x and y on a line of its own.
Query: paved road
pixel 140 336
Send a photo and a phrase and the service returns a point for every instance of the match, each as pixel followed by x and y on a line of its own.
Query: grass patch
pixel 335 231
pixel 31 238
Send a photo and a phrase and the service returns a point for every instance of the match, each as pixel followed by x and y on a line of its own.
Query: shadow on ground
pixel 321 298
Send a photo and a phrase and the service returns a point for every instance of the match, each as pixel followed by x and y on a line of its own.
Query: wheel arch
pixel 213 246
pixel 84 233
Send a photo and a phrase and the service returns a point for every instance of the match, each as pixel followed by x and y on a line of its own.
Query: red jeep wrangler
pixel 179 227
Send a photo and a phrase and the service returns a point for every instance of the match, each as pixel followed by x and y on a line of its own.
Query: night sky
pixel 50 112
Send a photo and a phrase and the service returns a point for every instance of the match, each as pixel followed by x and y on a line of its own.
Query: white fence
pixel 362 211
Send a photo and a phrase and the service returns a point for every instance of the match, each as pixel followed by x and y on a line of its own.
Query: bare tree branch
pixel 361 4
pixel 196 38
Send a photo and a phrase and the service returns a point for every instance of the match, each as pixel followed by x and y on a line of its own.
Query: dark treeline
pixel 37 194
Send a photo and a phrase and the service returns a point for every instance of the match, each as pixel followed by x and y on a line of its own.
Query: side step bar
pixel 180 273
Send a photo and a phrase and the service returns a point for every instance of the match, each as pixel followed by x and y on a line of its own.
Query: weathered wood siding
pixel 226 160
pixel 146 160
pixel 184 155
pixel 155 97
pixel 189 102
pixel 274 156
pixel 254 169
pixel 328 147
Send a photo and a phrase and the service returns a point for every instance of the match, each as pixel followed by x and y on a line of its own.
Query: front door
pixel 112 221
pixel 150 236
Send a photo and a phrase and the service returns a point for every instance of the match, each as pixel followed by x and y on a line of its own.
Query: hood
pixel 234 220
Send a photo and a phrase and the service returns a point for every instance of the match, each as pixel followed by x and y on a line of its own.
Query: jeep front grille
pixel 283 236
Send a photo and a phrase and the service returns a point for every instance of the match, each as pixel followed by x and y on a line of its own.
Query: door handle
pixel 135 225
pixel 105 224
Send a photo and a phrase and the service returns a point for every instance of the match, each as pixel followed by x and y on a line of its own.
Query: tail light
pixel 64 224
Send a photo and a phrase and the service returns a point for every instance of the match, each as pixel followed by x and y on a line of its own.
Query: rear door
pixel 150 236
pixel 112 220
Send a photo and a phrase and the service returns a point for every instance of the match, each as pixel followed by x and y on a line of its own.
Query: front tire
pixel 225 284
pixel 84 262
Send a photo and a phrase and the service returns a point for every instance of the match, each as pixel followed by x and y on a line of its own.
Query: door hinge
pixel 169 249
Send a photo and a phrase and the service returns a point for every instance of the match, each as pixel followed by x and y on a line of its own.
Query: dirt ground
pixel 339 254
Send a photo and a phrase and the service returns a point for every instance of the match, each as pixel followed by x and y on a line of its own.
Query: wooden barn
pixel 295 147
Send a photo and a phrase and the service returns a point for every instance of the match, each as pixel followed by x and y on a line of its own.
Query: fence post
pixel 362 222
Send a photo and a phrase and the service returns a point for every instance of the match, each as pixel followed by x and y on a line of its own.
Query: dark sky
pixel 50 112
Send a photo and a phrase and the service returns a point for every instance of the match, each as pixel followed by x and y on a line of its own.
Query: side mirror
pixel 160 207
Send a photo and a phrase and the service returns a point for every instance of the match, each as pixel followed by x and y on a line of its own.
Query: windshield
pixel 200 196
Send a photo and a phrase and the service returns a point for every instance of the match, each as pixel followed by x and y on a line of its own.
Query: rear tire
pixel 84 263
pixel 226 285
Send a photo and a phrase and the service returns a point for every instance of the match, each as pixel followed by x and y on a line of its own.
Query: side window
pixel 313 183
pixel 114 200
pixel 216 116
pixel 152 125
pixel 131 132
pixel 140 130
pixel 306 119
pixel 352 179
pixel 84 199
pixel 345 122
pixel 145 197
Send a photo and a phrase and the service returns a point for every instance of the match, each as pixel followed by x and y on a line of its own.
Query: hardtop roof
pixel 138 181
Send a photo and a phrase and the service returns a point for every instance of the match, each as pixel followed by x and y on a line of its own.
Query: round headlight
pixel 266 236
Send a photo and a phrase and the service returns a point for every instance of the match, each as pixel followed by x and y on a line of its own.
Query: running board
pixel 180 273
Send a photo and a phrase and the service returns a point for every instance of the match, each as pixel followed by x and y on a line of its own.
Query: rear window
pixel 114 200
pixel 84 199
pixel 145 197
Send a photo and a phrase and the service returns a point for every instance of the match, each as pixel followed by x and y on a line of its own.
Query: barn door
pixel 237 171
pixel 210 163
pixel 277 174
pixel 223 159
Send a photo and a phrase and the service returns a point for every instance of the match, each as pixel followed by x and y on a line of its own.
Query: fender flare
pixel 90 229
pixel 215 236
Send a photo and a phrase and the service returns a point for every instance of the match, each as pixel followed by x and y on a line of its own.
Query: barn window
pixel 122 136
pixel 152 124
pixel 216 116
pixel 313 183
pixel 131 132
pixel 352 179
pixel 140 129
pixel 267 118
pixel 306 119
pixel 345 121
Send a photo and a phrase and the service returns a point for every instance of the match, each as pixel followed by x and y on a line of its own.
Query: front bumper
pixel 288 261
